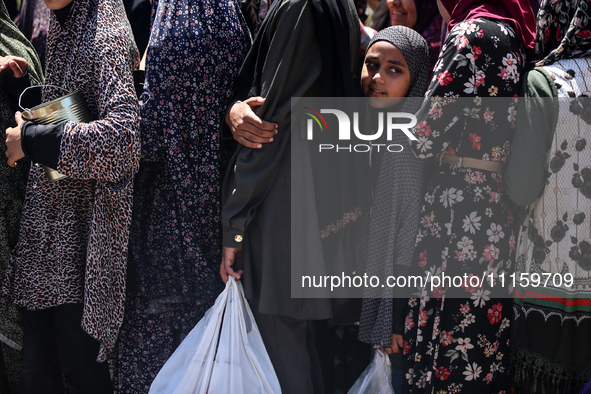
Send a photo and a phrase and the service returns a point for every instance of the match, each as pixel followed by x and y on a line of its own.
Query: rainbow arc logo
pixel 317 117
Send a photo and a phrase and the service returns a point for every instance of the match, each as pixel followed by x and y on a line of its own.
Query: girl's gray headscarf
pixel 415 50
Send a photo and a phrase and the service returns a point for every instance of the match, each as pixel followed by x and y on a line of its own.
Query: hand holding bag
pixel 220 356
pixel 377 377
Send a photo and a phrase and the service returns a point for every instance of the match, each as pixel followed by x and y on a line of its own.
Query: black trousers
pixel 57 350
pixel 291 348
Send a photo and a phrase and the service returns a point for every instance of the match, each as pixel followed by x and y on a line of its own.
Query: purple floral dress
pixel 196 48
pixel 459 345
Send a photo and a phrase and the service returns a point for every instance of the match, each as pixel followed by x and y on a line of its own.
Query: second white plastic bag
pixel 377 377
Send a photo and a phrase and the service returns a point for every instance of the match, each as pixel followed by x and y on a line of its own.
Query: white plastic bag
pixel 220 356
pixel 377 377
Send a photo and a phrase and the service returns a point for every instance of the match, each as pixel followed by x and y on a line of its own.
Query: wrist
pixel 228 112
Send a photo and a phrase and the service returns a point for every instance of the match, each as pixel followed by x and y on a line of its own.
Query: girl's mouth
pixel 376 91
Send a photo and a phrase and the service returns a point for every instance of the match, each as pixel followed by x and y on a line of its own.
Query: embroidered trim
pixel 341 223
pixel 578 318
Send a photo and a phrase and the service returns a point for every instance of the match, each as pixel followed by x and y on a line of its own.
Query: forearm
pixel 41 143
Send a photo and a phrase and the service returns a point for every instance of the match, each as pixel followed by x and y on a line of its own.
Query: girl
pixel 393 74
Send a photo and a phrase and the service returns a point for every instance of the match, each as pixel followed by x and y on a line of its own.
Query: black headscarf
pixel 336 53
pixel 337 80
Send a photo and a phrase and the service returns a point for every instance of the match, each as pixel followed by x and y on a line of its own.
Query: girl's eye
pixel 394 70
pixel 371 64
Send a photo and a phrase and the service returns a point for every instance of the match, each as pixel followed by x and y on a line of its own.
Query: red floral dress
pixel 460 345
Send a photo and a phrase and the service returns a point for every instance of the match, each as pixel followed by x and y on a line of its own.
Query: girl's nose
pixel 377 77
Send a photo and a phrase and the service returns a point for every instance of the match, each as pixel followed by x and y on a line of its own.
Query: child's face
pixel 385 77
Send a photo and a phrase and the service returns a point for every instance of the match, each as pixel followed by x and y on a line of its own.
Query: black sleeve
pixel 399 315
pixel 41 143
pixel 139 77
pixel 16 86
pixel 254 170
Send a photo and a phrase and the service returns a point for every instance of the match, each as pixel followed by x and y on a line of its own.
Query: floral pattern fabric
pixel 459 345
pixel 557 40
pixel 196 48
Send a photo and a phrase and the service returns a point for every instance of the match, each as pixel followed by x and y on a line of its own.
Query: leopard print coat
pixel 72 245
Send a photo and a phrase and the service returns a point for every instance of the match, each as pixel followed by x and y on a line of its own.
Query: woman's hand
pixel 397 344
pixel 16 66
pixel 229 257
pixel 14 150
pixel 247 128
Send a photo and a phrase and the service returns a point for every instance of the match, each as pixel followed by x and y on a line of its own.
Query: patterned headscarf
pixel 563 31
pixel 96 32
pixel 414 49
pixel 518 12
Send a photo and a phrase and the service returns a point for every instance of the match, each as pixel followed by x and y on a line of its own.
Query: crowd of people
pixel 184 177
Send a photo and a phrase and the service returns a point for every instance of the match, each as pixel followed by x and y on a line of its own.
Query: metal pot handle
pixel 28 110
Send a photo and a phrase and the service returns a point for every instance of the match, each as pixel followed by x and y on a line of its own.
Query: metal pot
pixel 70 107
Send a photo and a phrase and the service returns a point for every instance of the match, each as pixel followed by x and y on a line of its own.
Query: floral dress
pixel 195 51
pixel 459 345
